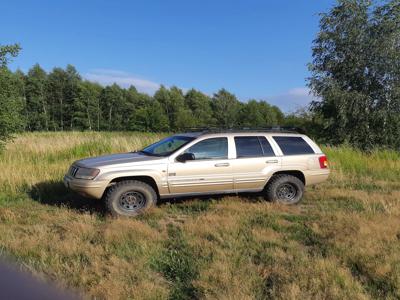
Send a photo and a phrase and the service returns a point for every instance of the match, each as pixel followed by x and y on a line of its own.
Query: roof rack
pixel 280 129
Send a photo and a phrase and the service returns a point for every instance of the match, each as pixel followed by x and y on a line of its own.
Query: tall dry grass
pixel 38 157
pixel 342 242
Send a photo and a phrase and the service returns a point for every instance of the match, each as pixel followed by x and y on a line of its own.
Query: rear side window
pixel 252 146
pixel 292 145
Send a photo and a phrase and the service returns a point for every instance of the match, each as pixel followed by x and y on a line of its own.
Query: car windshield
pixel 167 146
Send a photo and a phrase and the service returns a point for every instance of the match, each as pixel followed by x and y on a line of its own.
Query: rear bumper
pixel 316 176
pixel 86 188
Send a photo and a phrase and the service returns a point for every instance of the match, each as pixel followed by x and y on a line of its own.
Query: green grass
pixel 341 242
pixel 177 263
pixel 378 164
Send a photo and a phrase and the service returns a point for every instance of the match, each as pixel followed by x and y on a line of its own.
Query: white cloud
pixel 302 91
pixel 124 79
pixel 292 99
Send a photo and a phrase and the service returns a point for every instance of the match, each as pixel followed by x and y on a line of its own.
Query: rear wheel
pixel 285 189
pixel 130 198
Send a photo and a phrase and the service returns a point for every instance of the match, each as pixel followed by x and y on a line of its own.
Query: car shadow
pixel 56 194
pixel 246 197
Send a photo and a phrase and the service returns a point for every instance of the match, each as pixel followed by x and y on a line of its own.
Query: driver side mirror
pixel 185 157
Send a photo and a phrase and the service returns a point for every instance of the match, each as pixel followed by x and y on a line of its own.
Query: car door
pixel 209 172
pixel 254 164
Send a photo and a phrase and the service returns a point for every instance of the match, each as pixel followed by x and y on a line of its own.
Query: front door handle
pixel 222 165
pixel 272 161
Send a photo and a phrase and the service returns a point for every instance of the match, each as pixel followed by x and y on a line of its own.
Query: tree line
pixel 62 100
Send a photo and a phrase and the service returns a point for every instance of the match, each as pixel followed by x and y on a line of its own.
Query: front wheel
pixel 285 189
pixel 130 198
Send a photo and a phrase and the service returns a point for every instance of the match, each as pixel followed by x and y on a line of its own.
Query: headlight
pixel 86 173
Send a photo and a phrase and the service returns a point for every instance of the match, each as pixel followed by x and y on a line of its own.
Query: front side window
pixel 293 145
pixel 167 146
pixel 214 148
pixel 253 146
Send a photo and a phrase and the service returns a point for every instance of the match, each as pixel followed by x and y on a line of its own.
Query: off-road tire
pixel 119 198
pixel 282 184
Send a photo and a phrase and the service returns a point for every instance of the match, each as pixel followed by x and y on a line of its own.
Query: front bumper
pixel 86 188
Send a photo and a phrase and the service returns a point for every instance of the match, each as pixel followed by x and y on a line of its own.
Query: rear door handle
pixel 272 161
pixel 222 165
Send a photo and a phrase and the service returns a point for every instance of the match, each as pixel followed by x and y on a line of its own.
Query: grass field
pixel 342 242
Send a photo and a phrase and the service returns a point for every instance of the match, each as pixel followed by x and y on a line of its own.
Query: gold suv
pixel 278 163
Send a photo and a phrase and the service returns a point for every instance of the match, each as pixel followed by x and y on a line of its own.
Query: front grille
pixel 72 171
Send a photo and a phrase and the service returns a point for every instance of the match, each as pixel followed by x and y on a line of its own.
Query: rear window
pixel 292 145
pixel 252 146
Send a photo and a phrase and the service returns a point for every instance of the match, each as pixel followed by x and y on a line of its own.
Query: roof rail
pixel 281 129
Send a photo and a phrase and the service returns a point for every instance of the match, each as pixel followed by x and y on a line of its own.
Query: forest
pixel 61 100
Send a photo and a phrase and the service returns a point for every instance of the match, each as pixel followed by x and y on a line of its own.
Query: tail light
pixel 323 162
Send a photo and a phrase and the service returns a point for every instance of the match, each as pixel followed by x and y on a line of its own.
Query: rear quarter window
pixel 293 145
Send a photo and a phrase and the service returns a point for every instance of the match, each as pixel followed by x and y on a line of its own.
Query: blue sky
pixel 255 49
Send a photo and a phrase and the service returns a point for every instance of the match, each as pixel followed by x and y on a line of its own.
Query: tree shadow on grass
pixel 56 194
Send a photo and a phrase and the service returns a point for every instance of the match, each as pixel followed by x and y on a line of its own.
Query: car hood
pixel 113 159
